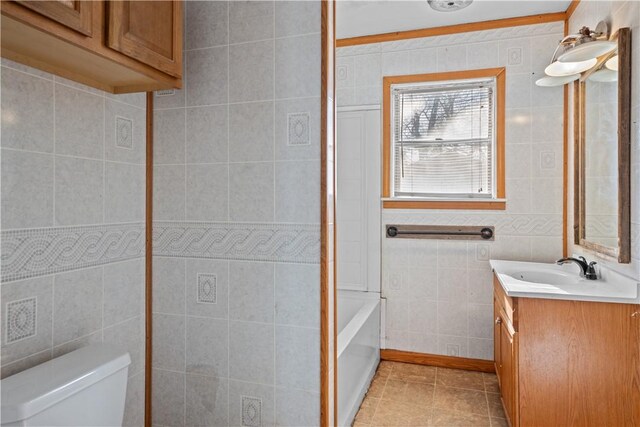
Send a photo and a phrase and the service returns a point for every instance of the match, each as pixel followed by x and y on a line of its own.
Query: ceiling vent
pixel 448 5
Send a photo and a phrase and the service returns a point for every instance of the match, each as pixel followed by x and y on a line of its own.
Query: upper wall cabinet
pixel 116 46
pixel 150 32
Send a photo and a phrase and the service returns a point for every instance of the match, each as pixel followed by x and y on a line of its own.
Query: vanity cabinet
pixel 567 363
pixel 115 46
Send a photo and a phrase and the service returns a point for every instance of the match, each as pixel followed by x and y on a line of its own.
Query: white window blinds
pixel 443 139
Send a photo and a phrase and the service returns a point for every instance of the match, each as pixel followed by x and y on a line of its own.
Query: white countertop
pixel 551 281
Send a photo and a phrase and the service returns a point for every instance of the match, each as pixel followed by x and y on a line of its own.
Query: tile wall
pixel 439 293
pixel 617 14
pixel 237 212
pixel 72 227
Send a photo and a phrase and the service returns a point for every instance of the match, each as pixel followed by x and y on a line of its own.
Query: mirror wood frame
pixel 622 253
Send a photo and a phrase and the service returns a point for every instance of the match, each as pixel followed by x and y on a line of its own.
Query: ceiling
pixel 361 18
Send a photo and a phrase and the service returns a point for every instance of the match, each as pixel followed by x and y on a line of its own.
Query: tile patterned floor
pixel 403 394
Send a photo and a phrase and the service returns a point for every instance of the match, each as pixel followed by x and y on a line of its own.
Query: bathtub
pixel 358 349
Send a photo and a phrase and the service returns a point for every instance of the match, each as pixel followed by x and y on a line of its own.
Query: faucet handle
pixel 583 259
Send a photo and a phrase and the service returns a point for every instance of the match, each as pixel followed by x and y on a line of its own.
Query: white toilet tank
pixel 86 387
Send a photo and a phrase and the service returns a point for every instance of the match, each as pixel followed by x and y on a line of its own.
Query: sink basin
pixel 546 277
pixel 552 281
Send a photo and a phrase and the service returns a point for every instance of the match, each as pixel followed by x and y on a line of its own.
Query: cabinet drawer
pixel 507 304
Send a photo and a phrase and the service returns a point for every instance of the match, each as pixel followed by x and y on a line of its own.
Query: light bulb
pixel 552 81
pixel 588 50
pixel 559 69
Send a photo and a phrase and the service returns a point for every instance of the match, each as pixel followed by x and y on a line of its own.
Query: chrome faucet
pixel 587 268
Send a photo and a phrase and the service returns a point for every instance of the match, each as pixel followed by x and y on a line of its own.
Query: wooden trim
pixel 438 360
pixel 417 204
pixel 565 161
pixel 453 29
pixel 148 264
pixel 572 8
pixel 500 75
pixel 621 253
pixel 327 211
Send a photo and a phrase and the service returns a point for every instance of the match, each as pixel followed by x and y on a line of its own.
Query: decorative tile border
pixel 298 243
pixel 36 252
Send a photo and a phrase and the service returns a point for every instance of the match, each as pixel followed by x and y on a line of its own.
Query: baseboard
pixel 438 360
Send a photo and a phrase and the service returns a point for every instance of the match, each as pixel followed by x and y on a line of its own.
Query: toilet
pixel 86 387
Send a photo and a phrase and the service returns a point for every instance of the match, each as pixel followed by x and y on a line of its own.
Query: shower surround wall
pixel 236 280
pixel 439 293
pixel 72 233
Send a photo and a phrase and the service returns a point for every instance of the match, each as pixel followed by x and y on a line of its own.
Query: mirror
pixel 602 98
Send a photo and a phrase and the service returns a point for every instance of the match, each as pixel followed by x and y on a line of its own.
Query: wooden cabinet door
pixel 508 364
pixel 496 339
pixel 76 15
pixel 148 31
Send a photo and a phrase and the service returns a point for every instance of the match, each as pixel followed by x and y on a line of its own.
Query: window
pixel 444 140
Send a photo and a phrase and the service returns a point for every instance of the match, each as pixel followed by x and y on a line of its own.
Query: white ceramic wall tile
pixel 27 106
pixel 296 58
pixel 168 136
pixel 295 368
pixel 251 291
pixel 168 285
pixel 206 401
pixel 207 134
pixel 124 192
pixel 196 270
pixel 206 24
pixel 251 194
pixel 207 347
pixel 251 352
pixel 32 174
pixel 297 299
pixel 123 290
pixel 169 342
pixel 251 20
pixel 134 405
pixel 284 111
pixel 168 192
pixel 207 76
pixel 207 192
pixel 251 71
pixel 297 17
pixel 40 289
pixel 257 395
pixel 130 336
pixel 79 123
pixel 77 304
pixel 114 149
pixel 79 189
pixel 297 408
pixel 168 393
pixel 296 192
pixel 251 131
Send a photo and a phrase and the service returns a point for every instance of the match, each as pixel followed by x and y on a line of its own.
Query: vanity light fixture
pixel 448 5
pixel 575 54
pixel 612 63
pixel 604 75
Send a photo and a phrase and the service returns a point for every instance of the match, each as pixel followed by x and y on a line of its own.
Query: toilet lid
pixel 32 391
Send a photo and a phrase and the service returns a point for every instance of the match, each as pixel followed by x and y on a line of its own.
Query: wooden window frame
pixel 497 203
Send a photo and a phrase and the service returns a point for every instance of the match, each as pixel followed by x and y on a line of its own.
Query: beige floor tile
pixel 419 394
pixel 495 405
pixel 395 413
pixel 377 386
pixel 461 379
pixel 384 368
pixel 446 418
pixel 491 383
pixel 499 422
pixel 461 400
pixel 413 373
pixel 366 411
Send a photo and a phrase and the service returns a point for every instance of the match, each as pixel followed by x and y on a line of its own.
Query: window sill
pixel 492 204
